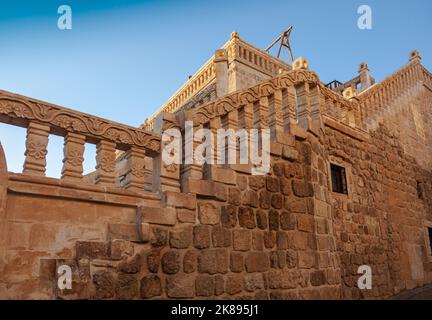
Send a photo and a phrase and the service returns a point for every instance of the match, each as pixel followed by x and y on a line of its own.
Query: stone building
pixel 349 185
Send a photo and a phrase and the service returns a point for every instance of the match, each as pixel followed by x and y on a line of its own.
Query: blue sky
pixel 124 58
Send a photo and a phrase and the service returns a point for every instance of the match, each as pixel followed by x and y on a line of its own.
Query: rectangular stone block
pixel 307 259
pixel 179 200
pixel 162 216
pixel 123 231
pixel 257 262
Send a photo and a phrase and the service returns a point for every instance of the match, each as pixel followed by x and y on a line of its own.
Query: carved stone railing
pixel 242 51
pixel 377 97
pixel 296 99
pixel 336 106
pixel 202 78
pixel 426 76
pixel 238 50
pixel 43 119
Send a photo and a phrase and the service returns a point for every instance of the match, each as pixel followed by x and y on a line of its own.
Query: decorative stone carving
pixel 36 149
pixel 105 163
pixel 135 173
pixel 73 156
pixel 65 120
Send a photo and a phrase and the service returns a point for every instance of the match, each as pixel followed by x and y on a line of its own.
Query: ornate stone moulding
pixel 20 110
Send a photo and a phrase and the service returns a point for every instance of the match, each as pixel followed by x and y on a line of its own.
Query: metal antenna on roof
pixel 284 42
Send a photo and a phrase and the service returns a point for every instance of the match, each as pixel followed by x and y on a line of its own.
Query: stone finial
pixel 234 34
pixel 349 93
pixel 365 79
pixel 363 67
pixel 221 55
pixel 300 63
pixel 414 55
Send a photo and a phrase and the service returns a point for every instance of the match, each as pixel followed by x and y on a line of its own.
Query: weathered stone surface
pixel 234 284
pixel 234 196
pixel 262 220
pixel 131 265
pixel 92 250
pixel 306 223
pixel 318 278
pixel 219 285
pixel 241 240
pixel 307 260
pixel 208 213
pixel 171 262
pixel 190 261
pixel 302 188
pixel 186 215
pixel 179 200
pixel 265 199
pixel 126 287
pixel 282 240
pixel 221 236
pixel 257 262
pixel 246 218
pixel 162 216
pixel 150 286
pixel 237 262
pixel 254 281
pixel 257 241
pixel 213 261
pixel 256 182
pixel 291 258
pixel 180 286
pixel 250 198
pixel 121 249
pixel 201 236
pixel 204 285
pixel 153 260
pixel 288 220
pixel 159 237
pixel 181 239
pixel 273 220
pixel 277 201
pixel 285 186
pixel 272 184
pixel 104 285
pixel 269 239
pixel 229 216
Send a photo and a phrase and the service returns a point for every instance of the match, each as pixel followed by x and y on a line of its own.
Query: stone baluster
pixel 260 113
pixel 209 169
pixel 36 149
pixel 135 169
pixel 190 169
pixel 166 173
pixel 303 106
pixel 73 151
pixel 105 163
pixel 316 105
pixel 276 123
pixel 232 147
pixel 289 108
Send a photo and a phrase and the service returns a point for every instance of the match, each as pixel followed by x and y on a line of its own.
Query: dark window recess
pixel 430 238
pixel 338 177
